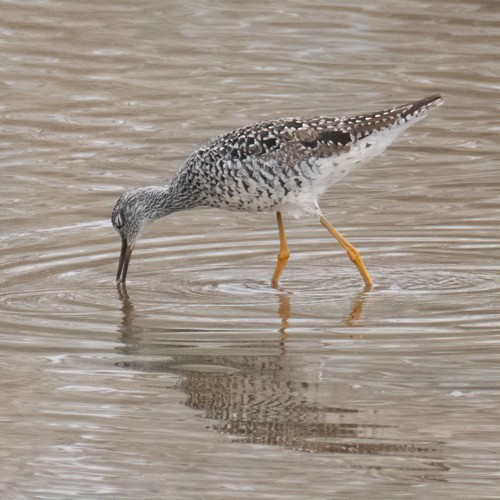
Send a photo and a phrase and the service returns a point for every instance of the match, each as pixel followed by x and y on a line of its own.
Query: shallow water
pixel 199 380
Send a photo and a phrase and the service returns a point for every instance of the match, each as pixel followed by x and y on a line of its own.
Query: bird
pixel 282 166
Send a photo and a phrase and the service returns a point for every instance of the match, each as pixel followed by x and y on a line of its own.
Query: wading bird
pixel 282 166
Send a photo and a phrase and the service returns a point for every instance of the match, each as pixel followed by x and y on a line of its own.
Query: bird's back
pixel 290 162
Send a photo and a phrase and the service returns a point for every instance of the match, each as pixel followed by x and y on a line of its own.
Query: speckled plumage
pixel 288 162
pixel 282 165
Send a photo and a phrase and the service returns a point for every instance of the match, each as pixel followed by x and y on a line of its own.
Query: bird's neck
pixel 165 200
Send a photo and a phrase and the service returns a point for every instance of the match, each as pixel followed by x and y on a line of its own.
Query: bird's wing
pixel 318 136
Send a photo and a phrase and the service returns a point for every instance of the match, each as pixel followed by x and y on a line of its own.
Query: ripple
pixel 37 301
pixel 192 280
pixel 253 292
pixel 431 279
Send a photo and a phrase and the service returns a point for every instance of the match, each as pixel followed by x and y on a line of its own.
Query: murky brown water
pixel 205 382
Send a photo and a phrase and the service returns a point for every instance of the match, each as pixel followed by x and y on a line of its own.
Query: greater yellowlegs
pixel 283 166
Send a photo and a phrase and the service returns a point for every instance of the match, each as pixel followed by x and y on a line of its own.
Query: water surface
pixel 199 380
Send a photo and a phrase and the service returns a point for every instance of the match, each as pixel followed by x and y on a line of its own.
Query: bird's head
pixel 133 212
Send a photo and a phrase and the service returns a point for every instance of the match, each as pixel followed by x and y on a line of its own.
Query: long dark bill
pixel 125 254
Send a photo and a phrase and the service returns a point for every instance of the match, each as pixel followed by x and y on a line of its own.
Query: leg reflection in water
pixel 355 314
pixel 284 312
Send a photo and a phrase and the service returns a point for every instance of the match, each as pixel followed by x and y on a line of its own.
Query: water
pixel 202 381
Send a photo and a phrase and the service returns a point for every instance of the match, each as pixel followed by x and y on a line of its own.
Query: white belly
pixel 334 168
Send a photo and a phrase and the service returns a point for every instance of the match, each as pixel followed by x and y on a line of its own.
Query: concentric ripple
pixel 457 280
pixel 223 280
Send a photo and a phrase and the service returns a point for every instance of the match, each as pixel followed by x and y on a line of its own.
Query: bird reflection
pixel 260 392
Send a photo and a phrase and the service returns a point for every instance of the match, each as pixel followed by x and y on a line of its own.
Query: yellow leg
pixel 283 254
pixel 351 251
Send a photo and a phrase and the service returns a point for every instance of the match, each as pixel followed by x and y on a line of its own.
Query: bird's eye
pixel 119 220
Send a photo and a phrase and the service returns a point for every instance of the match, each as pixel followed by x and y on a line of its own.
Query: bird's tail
pixel 374 132
pixel 394 119
pixel 418 108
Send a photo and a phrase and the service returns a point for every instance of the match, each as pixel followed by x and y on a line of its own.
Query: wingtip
pixel 437 99
pixel 422 105
pixel 430 102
